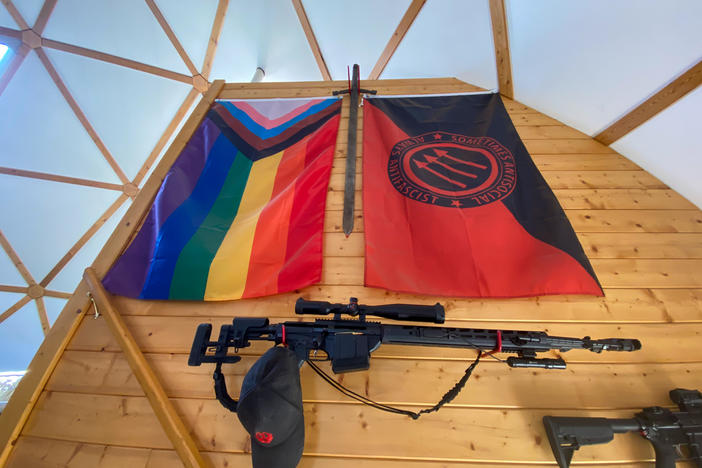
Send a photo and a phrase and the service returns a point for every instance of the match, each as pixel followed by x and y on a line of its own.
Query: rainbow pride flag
pixel 241 211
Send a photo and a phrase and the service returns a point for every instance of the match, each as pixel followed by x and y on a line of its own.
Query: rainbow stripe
pixel 241 211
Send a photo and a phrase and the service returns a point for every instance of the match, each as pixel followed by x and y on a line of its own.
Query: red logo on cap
pixel 264 437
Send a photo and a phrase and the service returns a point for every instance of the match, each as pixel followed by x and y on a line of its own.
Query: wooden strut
pixel 165 412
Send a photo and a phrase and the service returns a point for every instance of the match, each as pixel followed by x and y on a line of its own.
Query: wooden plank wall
pixel 644 240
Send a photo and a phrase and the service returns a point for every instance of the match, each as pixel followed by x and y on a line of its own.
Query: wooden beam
pixel 43 317
pixel 14 12
pixel 500 38
pixel 402 28
pixel 113 59
pixel 59 178
pixel 12 68
pixel 9 32
pixel 214 38
pixel 320 88
pixel 16 413
pixel 13 289
pixel 57 294
pixel 83 240
pixel 43 17
pixel 171 36
pixel 141 205
pixel 161 143
pixel 162 406
pixel 15 259
pixel 660 101
pixel 311 39
pixel 17 306
pixel 81 116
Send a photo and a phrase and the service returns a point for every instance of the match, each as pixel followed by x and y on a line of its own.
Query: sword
pixel 350 179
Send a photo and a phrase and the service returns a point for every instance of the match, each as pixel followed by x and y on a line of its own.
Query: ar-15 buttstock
pixel 566 435
pixel 666 430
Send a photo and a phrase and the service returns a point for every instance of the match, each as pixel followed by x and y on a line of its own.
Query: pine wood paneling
pixel 47 453
pixel 643 239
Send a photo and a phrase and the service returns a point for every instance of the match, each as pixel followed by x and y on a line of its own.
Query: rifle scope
pixel 407 312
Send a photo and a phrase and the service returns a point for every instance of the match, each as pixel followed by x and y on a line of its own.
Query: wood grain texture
pixel 311 39
pixel 623 305
pixel 405 23
pixel 217 24
pixel 331 428
pixel 174 336
pixel 43 317
pixel 660 101
pixel 643 240
pixel 20 406
pixel 109 373
pixel 500 38
pixel 49 453
pixel 166 414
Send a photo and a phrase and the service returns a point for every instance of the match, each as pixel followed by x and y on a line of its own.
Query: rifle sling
pixel 447 398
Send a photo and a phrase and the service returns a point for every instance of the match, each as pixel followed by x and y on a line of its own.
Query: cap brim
pixel 284 455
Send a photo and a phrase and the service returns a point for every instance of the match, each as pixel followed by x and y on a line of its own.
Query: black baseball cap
pixel 270 409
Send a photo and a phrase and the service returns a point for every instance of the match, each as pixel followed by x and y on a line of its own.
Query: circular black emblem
pixel 452 170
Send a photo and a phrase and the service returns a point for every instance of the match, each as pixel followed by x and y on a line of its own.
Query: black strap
pixel 447 398
pixel 220 387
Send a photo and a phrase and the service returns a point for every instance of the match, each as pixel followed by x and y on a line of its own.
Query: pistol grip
pixel 665 454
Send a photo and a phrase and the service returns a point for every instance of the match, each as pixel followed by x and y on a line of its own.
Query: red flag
pixel 454 206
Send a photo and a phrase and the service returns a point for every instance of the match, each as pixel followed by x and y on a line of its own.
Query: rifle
pixel 668 431
pixel 349 343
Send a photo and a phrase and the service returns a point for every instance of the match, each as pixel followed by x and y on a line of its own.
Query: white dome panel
pixel 70 276
pixel 589 63
pixel 40 132
pixel 128 109
pixel 356 32
pixel 8 272
pixel 191 23
pixel 20 334
pixel 6 19
pixel 264 34
pixel 669 146
pixel 126 28
pixel 29 9
pixel 54 306
pixel 42 219
pixel 436 45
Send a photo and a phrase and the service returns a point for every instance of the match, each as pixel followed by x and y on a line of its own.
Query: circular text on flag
pixel 447 169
